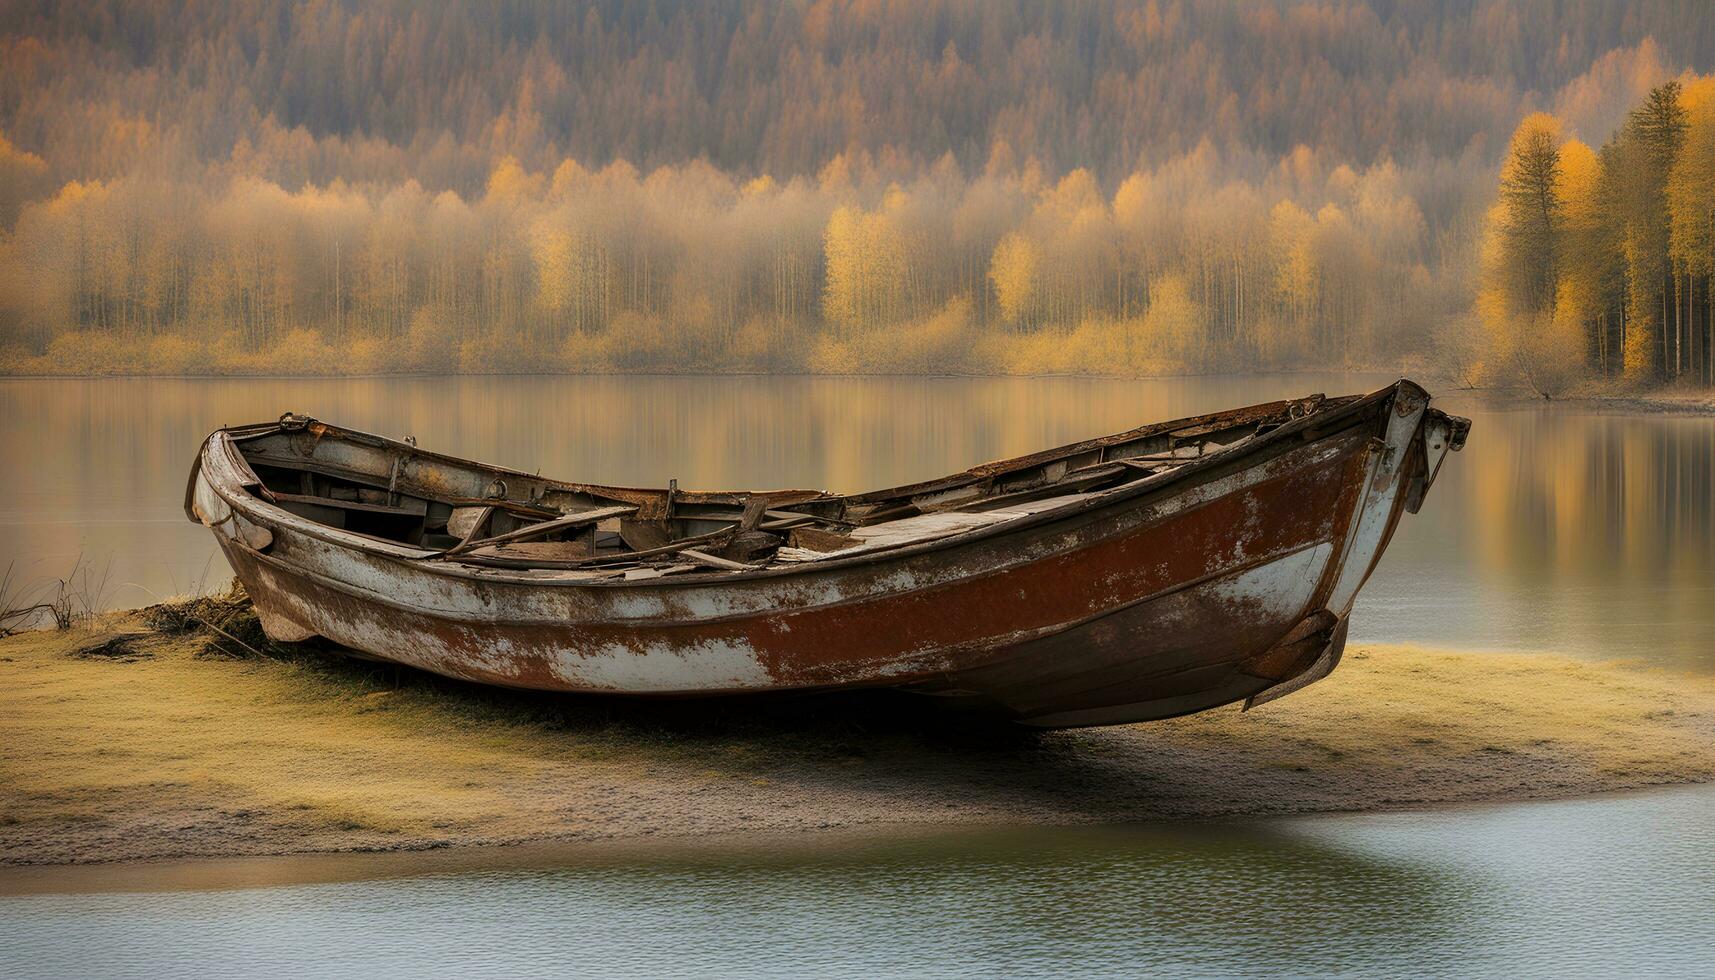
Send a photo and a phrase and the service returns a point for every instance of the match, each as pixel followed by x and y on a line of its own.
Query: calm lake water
pixel 1557 529
pixel 1612 887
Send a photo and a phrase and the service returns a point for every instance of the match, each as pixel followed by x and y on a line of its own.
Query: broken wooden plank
pixel 753 511
pixel 537 550
pixel 549 527
pixel 1095 471
pixel 596 561
pixel 642 574
pixel 1177 454
pixel 1147 466
pixel 712 561
pixel 466 521
pixel 816 539
pixel 667 549
pixel 1075 482
pixel 745 546
pixel 641 535
pixel 879 515
pixel 927 527
pixel 510 506
pixel 474 529
pixel 1191 432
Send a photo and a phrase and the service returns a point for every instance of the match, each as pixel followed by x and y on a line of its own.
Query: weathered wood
pixel 672 547
pixel 567 522
pixel 316 467
pixel 712 561
pixel 1072 483
pixel 783 520
pixel 537 550
pixel 754 508
pixel 1083 602
pixel 639 574
pixel 465 522
pixel 510 506
pixel 641 535
pixel 1180 454
pixel 1148 468
pixel 746 546
pixel 816 539
pixel 410 507
pixel 598 561
pixel 883 516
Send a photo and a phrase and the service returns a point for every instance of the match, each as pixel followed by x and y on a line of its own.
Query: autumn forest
pixel 1514 194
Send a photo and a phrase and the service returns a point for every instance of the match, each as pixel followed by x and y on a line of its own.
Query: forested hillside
pixel 255 186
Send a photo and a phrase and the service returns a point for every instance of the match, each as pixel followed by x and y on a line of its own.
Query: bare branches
pixel 19 608
pixel 79 597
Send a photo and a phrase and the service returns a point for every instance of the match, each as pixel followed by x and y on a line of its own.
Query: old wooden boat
pixel 1155 572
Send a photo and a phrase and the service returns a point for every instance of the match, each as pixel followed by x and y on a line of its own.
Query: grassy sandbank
pixel 138 737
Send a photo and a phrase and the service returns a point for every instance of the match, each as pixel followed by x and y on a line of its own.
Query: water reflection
pixel 1601 887
pixel 985 904
pixel 1562 529
pixel 1567 530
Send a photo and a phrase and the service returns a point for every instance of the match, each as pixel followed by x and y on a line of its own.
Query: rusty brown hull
pixel 1228 579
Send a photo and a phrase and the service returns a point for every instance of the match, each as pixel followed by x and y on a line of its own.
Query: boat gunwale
pixel 259 511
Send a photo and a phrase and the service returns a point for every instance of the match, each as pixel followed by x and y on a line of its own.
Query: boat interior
pixel 452 510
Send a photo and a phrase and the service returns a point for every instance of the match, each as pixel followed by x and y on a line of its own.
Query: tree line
pixel 688 269
pixel 1599 263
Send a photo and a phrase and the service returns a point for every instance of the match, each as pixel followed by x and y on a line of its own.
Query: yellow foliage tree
pixel 1530 219
pixel 865 285
pixel 1691 190
pixel 1175 326
pixel 1691 216
pixel 1014 273
pixel 1297 284
pixel 1580 299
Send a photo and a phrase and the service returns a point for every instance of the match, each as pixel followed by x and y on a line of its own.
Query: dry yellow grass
pixel 170 751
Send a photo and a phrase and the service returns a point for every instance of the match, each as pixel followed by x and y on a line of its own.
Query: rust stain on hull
pixel 1165 570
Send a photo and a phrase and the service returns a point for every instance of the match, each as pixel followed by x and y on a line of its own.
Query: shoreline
pixel 248 872
pixel 169 745
pixel 1688 403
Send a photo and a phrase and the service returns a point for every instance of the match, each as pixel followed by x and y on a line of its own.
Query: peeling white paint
pixel 709 665
pixel 1281 589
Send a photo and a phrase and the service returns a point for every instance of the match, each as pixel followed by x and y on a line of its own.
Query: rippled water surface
pixel 1557 528
pixel 1612 887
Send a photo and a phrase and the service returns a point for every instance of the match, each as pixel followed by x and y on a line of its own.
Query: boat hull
pixel 1232 583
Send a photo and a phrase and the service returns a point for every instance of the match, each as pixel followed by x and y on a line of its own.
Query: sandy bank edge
pixel 845 845
pixel 171 748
